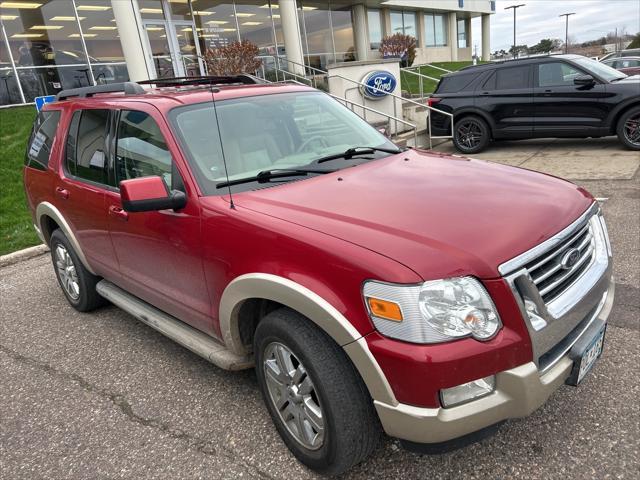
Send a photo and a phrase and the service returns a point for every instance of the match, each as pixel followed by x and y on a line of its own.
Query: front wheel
pixel 471 135
pixel 315 397
pixel 78 284
pixel 628 128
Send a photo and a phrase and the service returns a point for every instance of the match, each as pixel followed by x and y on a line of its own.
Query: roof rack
pixel 203 80
pixel 128 88
pixel 134 88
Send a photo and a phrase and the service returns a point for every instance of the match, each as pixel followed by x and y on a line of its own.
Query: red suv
pixel 375 289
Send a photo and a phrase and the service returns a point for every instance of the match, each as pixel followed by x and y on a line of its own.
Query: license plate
pixel 587 358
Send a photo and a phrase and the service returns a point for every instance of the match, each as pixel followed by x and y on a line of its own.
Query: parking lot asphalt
pixel 103 396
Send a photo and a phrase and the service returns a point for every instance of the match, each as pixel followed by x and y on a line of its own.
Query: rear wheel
pixel 628 129
pixel 314 395
pixel 77 283
pixel 471 134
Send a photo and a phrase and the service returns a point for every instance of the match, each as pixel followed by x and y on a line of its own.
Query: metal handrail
pixel 420 79
pixel 319 70
pixel 390 117
pixel 406 100
pixel 430 65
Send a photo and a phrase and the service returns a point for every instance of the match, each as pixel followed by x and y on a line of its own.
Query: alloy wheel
pixel 294 395
pixel 469 134
pixel 631 130
pixel 67 272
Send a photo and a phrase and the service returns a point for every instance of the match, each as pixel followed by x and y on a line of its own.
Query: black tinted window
pixel 456 83
pixel 512 78
pixel 44 130
pixel 141 149
pixel 70 148
pixel 556 74
pixel 90 146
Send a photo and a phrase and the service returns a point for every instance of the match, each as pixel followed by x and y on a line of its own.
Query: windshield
pixel 281 131
pixel 600 69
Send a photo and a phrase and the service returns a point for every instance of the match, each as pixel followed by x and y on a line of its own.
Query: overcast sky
pixel 539 19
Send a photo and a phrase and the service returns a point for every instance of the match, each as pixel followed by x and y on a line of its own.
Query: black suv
pixel 550 96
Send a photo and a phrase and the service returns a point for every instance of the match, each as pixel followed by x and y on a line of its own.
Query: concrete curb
pixel 20 255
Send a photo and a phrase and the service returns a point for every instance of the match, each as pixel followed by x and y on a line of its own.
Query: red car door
pixel 159 252
pixel 79 190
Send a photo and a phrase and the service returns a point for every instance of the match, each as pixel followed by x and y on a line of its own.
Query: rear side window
pixel 141 149
pixel 513 78
pixel 456 83
pixel 86 150
pixel 41 140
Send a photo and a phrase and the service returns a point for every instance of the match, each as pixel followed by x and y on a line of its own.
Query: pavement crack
pixel 206 447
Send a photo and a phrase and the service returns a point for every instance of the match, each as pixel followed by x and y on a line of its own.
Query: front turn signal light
pixel 384 309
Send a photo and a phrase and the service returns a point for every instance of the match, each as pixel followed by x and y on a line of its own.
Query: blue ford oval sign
pixel 378 84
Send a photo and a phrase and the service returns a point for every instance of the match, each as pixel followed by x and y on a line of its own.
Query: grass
pixel 411 83
pixel 16 226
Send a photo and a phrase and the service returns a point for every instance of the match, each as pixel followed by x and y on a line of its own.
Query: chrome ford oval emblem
pixel 378 84
pixel 570 258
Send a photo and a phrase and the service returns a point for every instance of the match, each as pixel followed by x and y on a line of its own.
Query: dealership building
pixel 48 45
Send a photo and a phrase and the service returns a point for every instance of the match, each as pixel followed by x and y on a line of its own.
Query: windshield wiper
pixel 266 175
pixel 352 152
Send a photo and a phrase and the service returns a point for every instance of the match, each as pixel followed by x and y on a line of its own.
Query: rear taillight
pixel 431 101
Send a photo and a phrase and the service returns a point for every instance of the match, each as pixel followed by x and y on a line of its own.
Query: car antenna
pixel 224 158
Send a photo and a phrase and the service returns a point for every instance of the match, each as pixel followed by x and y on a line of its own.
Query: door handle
pixel 63 193
pixel 118 212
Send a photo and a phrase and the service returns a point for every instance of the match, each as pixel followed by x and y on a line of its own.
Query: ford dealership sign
pixel 378 84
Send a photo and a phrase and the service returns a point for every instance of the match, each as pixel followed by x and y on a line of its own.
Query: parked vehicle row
pixel 551 96
pixel 374 289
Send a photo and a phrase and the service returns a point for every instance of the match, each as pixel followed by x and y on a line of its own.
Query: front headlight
pixel 436 311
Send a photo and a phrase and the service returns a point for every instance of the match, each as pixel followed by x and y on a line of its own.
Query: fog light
pixel 467 391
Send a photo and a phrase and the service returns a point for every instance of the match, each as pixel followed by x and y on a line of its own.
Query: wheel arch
pixel 619 112
pixel 49 218
pixel 281 291
pixel 475 112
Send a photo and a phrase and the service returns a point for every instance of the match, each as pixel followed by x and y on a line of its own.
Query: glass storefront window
pixel 100 32
pixel 342 25
pixel 9 92
pixel 396 22
pixel 216 23
pixel 404 22
pixel 254 21
pixel 462 33
pixel 42 39
pixel 374 23
pixel 435 26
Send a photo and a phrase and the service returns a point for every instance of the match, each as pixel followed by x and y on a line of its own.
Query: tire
pixel 628 128
pixel 330 385
pixel 76 282
pixel 471 134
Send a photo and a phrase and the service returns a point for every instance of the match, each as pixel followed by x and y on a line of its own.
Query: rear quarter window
pixel 456 83
pixel 41 139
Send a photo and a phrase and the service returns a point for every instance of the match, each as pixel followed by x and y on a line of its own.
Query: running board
pixel 196 341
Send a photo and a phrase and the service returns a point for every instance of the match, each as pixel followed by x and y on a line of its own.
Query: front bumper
pixel 519 392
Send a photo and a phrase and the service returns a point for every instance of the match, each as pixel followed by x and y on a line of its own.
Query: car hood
pixel 439 215
pixel 630 79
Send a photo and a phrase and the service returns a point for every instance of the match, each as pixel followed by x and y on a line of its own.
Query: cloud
pixel 540 19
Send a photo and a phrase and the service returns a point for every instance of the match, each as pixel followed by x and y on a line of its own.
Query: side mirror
pixel 584 81
pixel 147 194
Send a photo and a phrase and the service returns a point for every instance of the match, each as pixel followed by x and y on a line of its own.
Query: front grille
pixel 551 275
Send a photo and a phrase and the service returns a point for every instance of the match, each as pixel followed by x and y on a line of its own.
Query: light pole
pixel 515 7
pixel 566 31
